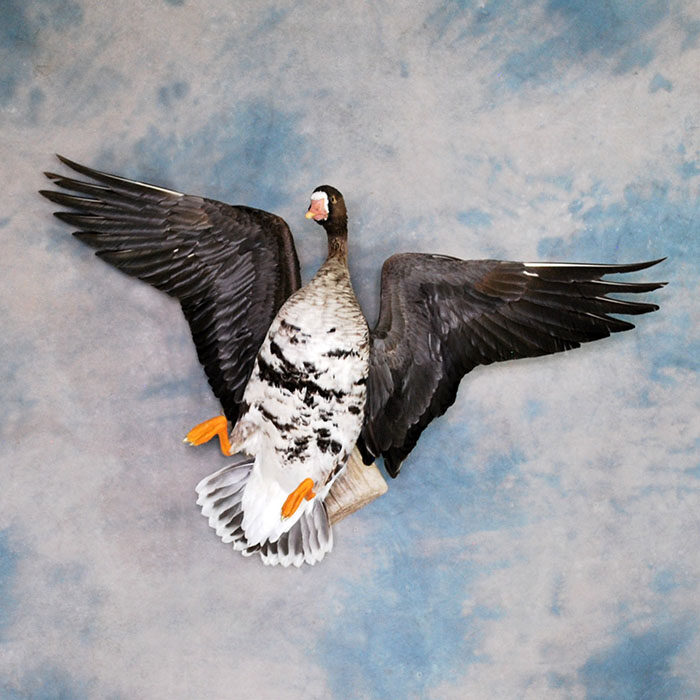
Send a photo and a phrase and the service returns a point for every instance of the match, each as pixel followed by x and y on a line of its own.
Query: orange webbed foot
pixel 214 427
pixel 305 490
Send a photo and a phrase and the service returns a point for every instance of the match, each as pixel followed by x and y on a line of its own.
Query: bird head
pixel 327 206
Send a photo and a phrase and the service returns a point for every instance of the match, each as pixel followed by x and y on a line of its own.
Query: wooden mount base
pixel 358 486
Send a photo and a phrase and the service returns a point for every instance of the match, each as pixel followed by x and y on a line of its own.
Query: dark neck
pixel 337 231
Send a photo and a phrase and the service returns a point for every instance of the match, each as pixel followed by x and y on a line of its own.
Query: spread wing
pixel 440 317
pixel 230 267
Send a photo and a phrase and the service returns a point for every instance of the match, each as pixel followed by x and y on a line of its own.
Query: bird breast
pixel 307 392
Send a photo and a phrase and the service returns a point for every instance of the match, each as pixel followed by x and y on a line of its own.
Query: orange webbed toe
pixel 305 490
pixel 214 427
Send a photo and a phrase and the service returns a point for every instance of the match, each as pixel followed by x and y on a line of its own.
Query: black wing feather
pixel 440 317
pixel 231 267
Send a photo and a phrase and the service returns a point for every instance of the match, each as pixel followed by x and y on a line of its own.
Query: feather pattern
pixel 220 498
pixel 231 267
pixel 297 371
pixel 304 401
pixel 440 317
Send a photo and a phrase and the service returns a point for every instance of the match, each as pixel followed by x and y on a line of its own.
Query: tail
pixel 308 540
pixel 221 499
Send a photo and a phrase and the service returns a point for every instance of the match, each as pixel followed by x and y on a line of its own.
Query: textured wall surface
pixel 542 540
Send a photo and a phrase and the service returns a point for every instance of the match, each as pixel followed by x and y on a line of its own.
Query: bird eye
pixel 332 199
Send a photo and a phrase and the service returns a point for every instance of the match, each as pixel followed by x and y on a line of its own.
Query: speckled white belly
pixel 306 396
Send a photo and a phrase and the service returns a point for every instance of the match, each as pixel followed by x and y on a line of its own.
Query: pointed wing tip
pixel 646 264
pixel 55 197
pixel 393 466
pixel 82 169
pixel 66 161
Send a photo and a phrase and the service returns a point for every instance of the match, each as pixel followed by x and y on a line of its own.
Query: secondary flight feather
pixel 300 377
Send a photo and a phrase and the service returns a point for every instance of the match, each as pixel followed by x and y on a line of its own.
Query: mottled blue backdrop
pixel 543 539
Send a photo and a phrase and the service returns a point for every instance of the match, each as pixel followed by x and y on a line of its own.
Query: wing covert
pixel 230 267
pixel 440 317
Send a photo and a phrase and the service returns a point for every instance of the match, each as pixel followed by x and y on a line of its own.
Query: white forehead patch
pixel 320 196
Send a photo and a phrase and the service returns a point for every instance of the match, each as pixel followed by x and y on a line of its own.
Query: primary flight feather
pixel 300 377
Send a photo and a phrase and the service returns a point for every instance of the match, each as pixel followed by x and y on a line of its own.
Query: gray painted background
pixel 542 540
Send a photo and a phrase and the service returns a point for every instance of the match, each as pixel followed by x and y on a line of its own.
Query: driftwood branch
pixel 358 486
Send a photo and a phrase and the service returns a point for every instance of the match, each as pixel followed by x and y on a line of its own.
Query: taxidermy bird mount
pixel 301 378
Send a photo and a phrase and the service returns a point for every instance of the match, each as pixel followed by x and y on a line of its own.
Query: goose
pixel 300 377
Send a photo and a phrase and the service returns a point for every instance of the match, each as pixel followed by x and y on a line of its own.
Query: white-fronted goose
pixel 300 377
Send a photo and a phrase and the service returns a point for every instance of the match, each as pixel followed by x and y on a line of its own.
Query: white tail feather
pixel 306 537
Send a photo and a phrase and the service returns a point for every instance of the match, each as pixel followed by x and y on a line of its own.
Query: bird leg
pixel 305 490
pixel 214 427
